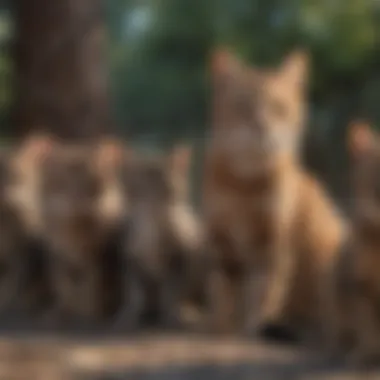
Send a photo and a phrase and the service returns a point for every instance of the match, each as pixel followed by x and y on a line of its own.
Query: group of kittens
pixel 93 230
pixel 96 230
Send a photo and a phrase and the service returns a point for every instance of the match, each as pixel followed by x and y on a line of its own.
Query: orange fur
pixel 275 232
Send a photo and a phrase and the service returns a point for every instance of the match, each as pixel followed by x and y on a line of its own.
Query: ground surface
pixel 43 356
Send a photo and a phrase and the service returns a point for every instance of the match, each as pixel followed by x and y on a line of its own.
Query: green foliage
pixel 158 52
pixel 160 76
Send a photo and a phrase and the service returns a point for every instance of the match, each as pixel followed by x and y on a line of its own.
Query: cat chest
pixel 246 221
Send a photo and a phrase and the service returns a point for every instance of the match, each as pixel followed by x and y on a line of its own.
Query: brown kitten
pixel 72 228
pixel 274 231
pixel 158 239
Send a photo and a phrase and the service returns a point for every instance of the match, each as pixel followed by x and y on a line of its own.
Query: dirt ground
pixel 154 356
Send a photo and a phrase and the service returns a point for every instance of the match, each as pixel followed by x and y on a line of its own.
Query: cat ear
pixel 224 63
pixel 295 68
pixel 360 138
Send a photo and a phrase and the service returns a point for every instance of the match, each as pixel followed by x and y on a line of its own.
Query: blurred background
pixel 154 59
pixel 139 68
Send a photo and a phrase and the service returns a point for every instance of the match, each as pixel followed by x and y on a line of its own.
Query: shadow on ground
pixel 31 353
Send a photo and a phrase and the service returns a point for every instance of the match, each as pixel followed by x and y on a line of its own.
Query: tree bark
pixel 60 69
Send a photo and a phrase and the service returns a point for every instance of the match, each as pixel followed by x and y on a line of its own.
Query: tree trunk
pixel 60 69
